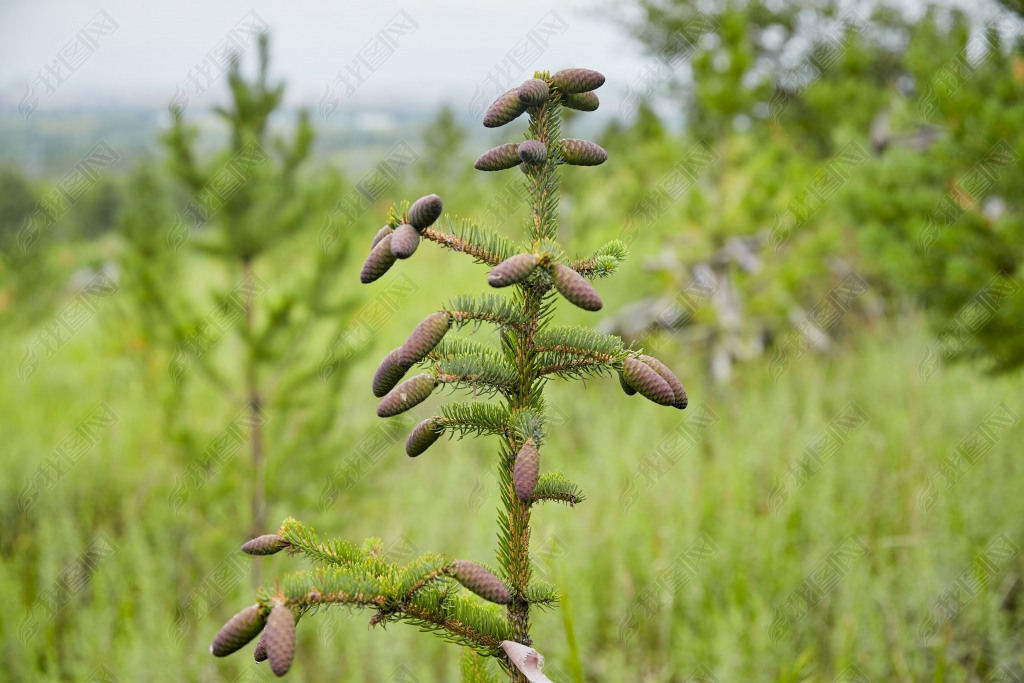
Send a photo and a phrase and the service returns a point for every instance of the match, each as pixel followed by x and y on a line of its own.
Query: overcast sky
pixel 56 52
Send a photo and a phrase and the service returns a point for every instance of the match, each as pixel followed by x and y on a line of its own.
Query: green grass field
pixel 819 527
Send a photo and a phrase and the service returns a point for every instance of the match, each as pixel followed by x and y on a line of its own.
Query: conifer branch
pixel 407 593
pixel 527 423
pixel 456 618
pixel 555 487
pixel 474 667
pixel 420 572
pixel 470 362
pixel 603 262
pixel 542 594
pixel 478 374
pixel 474 417
pixel 576 352
pixel 486 246
pixel 332 586
pixel 486 308
pixel 581 353
pixel 305 541
pixel 595 267
pixel 452 347
pixel 568 366
pixel 580 341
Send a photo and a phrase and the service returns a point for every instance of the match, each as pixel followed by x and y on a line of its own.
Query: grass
pixel 687 579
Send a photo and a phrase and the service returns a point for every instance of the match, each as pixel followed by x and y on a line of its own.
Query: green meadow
pixel 803 527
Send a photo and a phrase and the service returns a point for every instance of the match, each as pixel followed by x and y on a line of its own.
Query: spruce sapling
pixel 532 350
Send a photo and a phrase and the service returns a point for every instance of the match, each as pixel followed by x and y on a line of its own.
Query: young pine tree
pixel 221 306
pixel 494 623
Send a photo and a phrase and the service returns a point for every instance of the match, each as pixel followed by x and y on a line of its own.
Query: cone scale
pixel 378 262
pixel 533 92
pixel 533 152
pixel 280 639
pixel 404 241
pixel 423 339
pixel 422 437
pixel 381 234
pixel 482 582
pixel 575 288
pixel 678 391
pixel 389 373
pixel 499 158
pixel 260 653
pixel 239 630
pixel 647 382
pixel 525 471
pixel 584 101
pixel 267 544
pixel 574 81
pixel 506 108
pixel 406 395
pixel 630 391
pixel 583 152
pixel 425 211
pixel 512 270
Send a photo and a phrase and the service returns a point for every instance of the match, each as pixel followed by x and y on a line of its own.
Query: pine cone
pixel 583 101
pixel 424 338
pixel 677 387
pixel 533 152
pixel 583 152
pixel 649 383
pixel 423 437
pixel 389 373
pixel 533 92
pixel 499 158
pixel 482 582
pixel 625 386
pixel 408 394
pixel 425 211
pixel 512 270
pixel 572 81
pixel 575 289
pixel 280 639
pixel 239 630
pixel 260 653
pixel 378 262
pixel 404 241
pixel 525 471
pixel 506 108
pixel 265 545
pixel 381 234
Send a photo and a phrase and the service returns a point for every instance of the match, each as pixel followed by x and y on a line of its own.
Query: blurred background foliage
pixel 779 152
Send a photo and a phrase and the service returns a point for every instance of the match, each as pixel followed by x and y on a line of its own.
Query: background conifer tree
pixel 246 213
